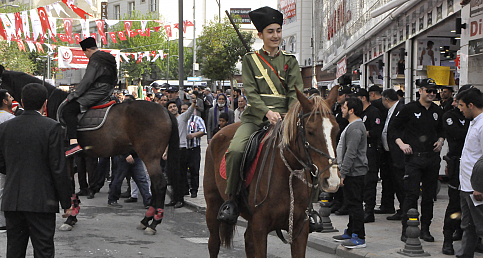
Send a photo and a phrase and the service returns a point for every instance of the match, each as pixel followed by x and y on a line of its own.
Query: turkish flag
pixel 94 35
pixel 100 28
pixel 113 37
pixel 140 58
pixel 62 37
pixel 158 28
pixel 148 32
pixel 129 32
pixel 44 19
pixel 18 24
pixel 141 32
pixel 169 33
pixel 21 46
pixel 76 10
pixel 176 26
pixel 77 38
pixel 39 47
pixel 187 23
pixel 68 30
pixel 121 35
pixel 42 39
pixel 3 33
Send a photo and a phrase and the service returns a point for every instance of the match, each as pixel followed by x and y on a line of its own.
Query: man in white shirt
pixel 470 102
pixel 6 106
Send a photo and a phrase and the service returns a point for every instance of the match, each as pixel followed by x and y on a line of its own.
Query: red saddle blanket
pixel 249 173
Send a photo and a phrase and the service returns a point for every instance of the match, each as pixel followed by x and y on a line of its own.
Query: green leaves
pixel 220 49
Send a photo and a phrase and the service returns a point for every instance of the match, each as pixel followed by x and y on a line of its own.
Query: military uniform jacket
pixel 419 127
pixel 263 95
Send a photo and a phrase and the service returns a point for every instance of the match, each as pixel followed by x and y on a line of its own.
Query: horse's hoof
pixel 141 226
pixel 149 231
pixel 65 227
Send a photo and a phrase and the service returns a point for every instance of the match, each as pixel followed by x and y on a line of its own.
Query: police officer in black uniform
pixel 455 127
pixel 371 117
pixel 419 134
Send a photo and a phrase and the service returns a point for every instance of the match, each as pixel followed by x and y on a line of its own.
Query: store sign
pixel 476 24
pixel 243 13
pixel 75 57
pixel 288 9
pixel 457 60
pixel 476 8
pixel 341 67
pixel 339 17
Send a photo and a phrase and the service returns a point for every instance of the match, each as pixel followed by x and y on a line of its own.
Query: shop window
pixel 117 12
pixel 131 7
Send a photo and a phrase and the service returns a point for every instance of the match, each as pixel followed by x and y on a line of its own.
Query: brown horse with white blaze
pixel 303 157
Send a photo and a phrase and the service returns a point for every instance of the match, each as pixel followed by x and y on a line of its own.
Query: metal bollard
pixel 324 212
pixel 413 247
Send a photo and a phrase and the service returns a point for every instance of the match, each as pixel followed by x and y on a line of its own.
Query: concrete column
pixel 408 71
pixel 386 71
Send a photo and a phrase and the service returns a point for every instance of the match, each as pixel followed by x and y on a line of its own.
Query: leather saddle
pixel 89 119
pixel 252 150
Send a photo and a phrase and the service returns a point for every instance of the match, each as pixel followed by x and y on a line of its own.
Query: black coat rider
pixel 96 85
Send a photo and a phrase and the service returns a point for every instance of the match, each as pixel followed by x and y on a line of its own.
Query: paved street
pixel 110 232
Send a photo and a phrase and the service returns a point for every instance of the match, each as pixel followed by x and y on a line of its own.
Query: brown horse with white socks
pixel 128 126
pixel 301 155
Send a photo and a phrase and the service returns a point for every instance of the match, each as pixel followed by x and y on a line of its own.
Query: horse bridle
pixel 307 166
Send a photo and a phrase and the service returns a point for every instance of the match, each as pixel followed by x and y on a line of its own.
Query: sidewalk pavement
pixel 382 236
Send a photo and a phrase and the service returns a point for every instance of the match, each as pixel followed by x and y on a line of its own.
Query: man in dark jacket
pixel 98 84
pixel 32 157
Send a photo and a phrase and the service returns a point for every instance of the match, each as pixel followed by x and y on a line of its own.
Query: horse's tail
pixel 173 147
pixel 226 234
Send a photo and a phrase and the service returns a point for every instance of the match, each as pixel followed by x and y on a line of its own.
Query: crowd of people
pixel 401 143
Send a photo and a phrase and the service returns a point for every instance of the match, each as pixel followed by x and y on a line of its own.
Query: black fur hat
pixel 88 43
pixel 262 17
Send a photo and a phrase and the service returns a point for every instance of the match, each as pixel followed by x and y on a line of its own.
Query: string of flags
pixel 15 25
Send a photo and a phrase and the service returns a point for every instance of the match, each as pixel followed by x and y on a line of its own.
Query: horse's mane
pixel 18 80
pixel 289 126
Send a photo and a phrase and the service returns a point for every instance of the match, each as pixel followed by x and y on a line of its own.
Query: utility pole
pixel 167 68
pixel 180 47
pixel 194 41
pixel 312 43
pixel 219 10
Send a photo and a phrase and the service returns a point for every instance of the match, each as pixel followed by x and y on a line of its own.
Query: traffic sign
pixel 194 79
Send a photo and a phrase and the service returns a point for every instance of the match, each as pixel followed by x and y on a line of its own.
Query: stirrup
pixel 228 212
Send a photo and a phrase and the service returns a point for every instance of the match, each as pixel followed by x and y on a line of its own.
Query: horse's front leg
pixel 259 237
pixel 299 244
pixel 249 248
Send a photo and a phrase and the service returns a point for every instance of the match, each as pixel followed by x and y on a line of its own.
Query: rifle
pixel 237 31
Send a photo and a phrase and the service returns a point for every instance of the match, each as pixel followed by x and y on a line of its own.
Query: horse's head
pixel 6 83
pixel 310 130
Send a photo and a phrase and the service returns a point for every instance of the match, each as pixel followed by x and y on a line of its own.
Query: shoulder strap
pixel 278 76
pixel 265 74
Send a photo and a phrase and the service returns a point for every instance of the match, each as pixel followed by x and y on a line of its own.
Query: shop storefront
pixel 419 39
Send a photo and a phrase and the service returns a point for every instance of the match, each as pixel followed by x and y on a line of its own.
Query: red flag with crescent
pixel 3 33
pixel 44 19
pixel 94 35
pixel 42 39
pixel 169 33
pixel 39 47
pixel 121 35
pixel 148 32
pixel 100 28
pixel 68 30
pixel 18 23
pixel 21 46
pixel 77 10
pixel 62 37
pixel 77 38
pixel 176 26
pixel 113 37
pixel 141 32
pixel 129 32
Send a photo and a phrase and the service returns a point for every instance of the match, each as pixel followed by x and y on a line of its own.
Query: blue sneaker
pixel 342 238
pixel 354 242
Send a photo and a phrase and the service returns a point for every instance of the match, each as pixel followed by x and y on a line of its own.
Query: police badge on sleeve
pixel 435 116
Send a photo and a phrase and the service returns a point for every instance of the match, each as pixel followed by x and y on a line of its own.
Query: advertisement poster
pixel 288 8
pixel 428 53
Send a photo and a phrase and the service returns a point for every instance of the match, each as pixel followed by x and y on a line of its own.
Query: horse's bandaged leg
pixel 150 212
pixel 159 214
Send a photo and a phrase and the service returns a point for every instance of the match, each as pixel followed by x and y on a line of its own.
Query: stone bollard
pixel 413 247
pixel 324 212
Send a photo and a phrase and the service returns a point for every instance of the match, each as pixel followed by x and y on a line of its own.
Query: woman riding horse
pixel 270 77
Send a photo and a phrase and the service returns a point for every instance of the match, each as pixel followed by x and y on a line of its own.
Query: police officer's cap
pixel 156 85
pixel 362 93
pixel 427 83
pixel 345 89
pixel 375 88
pixel 172 89
pixel 477 176
pixel 158 95
pixel 262 17
pixel 88 43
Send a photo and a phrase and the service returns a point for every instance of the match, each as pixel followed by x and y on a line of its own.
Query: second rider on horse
pixel 96 85
pixel 269 77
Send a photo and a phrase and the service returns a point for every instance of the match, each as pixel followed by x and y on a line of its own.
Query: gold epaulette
pixel 287 54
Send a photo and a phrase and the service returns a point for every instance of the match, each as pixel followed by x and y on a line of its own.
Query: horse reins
pixel 307 166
